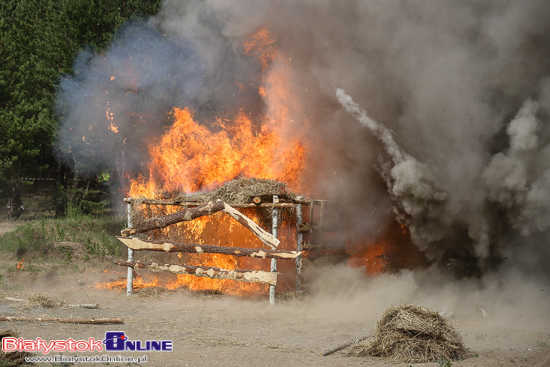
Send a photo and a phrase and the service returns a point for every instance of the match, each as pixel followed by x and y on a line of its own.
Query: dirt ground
pixel 213 330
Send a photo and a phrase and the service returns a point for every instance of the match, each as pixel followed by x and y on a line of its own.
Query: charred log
pixel 186 214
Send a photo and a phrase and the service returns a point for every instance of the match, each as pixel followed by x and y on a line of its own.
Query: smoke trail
pixel 410 183
pixel 381 132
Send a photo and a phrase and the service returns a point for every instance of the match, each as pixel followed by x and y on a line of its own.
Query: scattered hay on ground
pixel 412 334
pixel 43 301
pixel 208 293
pixel 11 358
pixel 149 291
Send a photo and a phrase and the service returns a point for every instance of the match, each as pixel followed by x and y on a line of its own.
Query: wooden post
pixel 130 274
pixel 299 240
pixel 274 229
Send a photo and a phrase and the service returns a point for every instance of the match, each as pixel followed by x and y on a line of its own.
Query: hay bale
pixel 413 334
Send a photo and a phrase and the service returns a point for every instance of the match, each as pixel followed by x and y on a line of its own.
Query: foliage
pixel 93 234
pixel 39 40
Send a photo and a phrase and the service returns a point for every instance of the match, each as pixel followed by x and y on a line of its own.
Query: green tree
pixel 39 40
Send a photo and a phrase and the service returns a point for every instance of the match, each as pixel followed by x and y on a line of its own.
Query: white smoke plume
pixel 410 183
pixel 457 94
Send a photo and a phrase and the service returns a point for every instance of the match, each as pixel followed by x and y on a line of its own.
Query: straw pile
pixel 413 334
pixel 243 190
pixel 43 301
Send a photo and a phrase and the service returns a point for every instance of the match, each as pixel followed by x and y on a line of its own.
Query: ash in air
pixel 457 143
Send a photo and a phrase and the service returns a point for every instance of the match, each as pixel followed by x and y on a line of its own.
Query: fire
pixel 139 283
pixel 262 46
pixel 371 257
pixel 222 230
pixel 190 157
pixel 111 119
pixel 20 263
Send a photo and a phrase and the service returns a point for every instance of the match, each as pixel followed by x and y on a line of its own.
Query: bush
pixel 39 238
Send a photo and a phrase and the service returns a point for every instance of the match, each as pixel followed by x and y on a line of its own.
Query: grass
pixel 45 237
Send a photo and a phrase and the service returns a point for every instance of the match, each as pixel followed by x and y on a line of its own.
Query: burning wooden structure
pixel 299 217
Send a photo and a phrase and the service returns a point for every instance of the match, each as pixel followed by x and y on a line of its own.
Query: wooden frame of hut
pixel 194 209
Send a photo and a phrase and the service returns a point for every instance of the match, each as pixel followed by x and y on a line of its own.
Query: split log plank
pixel 137 244
pixel 61 320
pixel 250 276
pixel 186 214
pixel 266 237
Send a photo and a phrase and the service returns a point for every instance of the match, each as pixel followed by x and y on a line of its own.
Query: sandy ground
pixel 228 331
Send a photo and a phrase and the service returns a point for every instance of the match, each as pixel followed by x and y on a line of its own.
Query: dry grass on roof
pixel 243 190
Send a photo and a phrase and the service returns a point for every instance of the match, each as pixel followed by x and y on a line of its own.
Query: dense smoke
pixel 119 100
pixel 455 97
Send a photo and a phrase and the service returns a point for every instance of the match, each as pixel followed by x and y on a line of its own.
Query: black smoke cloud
pixel 462 87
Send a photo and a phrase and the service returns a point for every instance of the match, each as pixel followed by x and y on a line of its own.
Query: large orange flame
pixel 190 157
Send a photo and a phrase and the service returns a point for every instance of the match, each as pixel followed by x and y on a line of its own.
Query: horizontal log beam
pixel 137 244
pixel 62 320
pixel 198 203
pixel 186 214
pixel 241 275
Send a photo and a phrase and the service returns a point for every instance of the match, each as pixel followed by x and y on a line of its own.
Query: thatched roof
pixel 413 334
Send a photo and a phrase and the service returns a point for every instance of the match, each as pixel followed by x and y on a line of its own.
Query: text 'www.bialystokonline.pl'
pixel 87 359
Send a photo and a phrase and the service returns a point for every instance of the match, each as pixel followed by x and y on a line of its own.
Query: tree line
pixel 39 40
